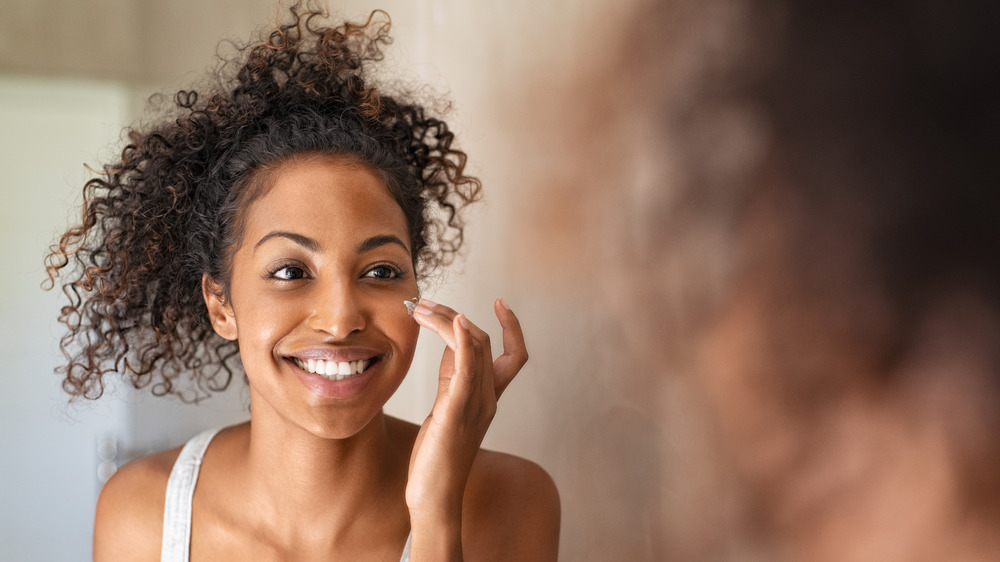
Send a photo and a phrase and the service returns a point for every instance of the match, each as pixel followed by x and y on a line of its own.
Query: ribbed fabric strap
pixel 180 492
pixel 406 550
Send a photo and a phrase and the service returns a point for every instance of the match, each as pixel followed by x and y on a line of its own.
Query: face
pixel 316 297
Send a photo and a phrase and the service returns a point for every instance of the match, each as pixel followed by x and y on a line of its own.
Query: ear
pixel 220 313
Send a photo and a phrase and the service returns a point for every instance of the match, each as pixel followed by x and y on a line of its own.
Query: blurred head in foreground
pixel 807 221
pixel 853 356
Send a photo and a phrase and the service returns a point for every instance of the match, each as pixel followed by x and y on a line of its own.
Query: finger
pixel 515 353
pixel 440 319
pixel 446 372
pixel 467 358
pixel 481 376
pixel 480 342
pixel 437 318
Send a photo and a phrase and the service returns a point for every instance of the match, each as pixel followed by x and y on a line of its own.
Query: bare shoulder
pixel 129 520
pixel 511 510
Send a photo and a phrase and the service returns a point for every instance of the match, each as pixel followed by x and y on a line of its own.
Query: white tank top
pixel 180 492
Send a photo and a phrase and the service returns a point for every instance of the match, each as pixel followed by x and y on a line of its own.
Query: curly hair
pixel 171 210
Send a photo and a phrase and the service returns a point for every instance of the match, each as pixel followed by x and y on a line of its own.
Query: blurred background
pixel 752 245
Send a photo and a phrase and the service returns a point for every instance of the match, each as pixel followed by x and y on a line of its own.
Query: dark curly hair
pixel 171 210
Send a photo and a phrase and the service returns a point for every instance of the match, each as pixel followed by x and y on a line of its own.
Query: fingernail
pixel 427 303
pixel 463 321
pixel 503 303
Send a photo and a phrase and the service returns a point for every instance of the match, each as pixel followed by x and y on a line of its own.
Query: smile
pixel 333 370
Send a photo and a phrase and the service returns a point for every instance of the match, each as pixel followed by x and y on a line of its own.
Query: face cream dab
pixel 411 305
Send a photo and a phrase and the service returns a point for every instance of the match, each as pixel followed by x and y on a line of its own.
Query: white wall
pixel 48 459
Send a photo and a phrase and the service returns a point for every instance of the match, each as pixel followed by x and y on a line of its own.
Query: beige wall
pixel 625 447
pixel 94 39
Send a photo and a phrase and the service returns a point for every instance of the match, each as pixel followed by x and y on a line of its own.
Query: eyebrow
pixel 304 241
pixel 380 240
pixel 314 246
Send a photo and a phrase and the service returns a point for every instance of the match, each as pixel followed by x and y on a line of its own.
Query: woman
pixel 286 218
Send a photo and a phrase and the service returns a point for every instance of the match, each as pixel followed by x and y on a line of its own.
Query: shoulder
pixel 129 521
pixel 511 507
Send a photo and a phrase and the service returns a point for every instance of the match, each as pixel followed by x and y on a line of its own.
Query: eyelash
pixel 273 271
pixel 395 272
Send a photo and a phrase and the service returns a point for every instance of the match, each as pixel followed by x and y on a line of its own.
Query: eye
pixel 384 271
pixel 288 273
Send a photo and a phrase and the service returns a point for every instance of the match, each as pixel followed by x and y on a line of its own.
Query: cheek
pixel 263 320
pixel 399 325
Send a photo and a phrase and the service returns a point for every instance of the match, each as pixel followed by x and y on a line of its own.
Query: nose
pixel 338 310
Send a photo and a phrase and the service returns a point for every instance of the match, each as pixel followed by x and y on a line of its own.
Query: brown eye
pixel 288 273
pixel 383 272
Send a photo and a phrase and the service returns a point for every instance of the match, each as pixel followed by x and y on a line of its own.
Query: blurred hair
pixel 886 120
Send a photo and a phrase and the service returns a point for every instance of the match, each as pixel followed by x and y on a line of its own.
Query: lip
pixel 340 390
pixel 350 354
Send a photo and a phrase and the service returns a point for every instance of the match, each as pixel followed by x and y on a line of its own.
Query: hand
pixel 469 384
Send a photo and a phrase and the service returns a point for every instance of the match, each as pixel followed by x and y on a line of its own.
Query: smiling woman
pixel 285 219
pixel 323 282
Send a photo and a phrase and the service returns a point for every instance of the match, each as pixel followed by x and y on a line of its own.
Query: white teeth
pixel 334 370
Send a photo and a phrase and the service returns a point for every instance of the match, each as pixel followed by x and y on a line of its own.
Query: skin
pixel 320 472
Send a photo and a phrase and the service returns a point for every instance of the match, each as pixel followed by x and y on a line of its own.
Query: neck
pixel 304 479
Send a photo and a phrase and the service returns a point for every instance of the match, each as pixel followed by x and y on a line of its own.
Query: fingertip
pixel 420 320
pixel 425 321
pixel 463 334
pixel 502 310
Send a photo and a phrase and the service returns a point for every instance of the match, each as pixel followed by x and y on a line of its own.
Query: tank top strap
pixel 176 544
pixel 180 492
pixel 406 550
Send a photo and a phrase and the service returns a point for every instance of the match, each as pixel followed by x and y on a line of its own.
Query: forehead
pixel 325 197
